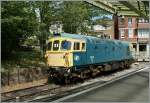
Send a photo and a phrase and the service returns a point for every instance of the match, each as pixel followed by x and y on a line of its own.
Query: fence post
pixel 8 76
pixel 18 75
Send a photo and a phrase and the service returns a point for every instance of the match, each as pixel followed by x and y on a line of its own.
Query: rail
pixel 93 86
pixel 57 92
pixel 24 94
pixel 60 96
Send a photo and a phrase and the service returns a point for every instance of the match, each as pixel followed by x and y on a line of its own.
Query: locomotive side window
pixel 76 46
pixel 83 46
pixel 65 45
pixel 56 45
pixel 49 46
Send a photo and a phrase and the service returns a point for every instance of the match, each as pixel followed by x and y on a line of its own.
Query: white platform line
pixel 93 88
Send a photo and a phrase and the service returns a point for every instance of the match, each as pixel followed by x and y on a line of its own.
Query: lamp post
pixel 137 47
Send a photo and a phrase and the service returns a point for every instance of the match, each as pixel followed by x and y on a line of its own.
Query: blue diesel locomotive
pixel 72 56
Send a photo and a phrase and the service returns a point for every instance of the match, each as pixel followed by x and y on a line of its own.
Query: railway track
pixel 53 92
pixel 77 90
pixel 23 94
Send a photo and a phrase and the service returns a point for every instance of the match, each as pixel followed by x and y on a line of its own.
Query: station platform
pixel 134 88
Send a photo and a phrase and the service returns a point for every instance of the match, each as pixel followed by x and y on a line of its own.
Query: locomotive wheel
pixel 122 65
pixel 75 80
pixel 107 67
pixel 67 80
pixel 50 80
pixel 127 66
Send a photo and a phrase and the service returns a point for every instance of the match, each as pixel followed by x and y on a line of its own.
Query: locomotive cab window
pixel 76 46
pixel 83 46
pixel 49 46
pixel 56 45
pixel 65 45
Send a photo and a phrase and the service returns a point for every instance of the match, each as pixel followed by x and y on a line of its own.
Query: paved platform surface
pixel 131 89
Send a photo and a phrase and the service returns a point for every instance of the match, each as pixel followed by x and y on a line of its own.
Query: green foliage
pixel 45 18
pixel 77 16
pixel 18 23
pixel 73 15
pixel 105 21
pixel 32 41
pixel 19 20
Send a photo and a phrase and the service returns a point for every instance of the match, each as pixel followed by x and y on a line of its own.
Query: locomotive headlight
pixel 68 70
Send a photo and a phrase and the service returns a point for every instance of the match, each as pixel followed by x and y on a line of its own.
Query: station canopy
pixel 123 8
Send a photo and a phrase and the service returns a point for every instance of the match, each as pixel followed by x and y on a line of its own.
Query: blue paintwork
pixel 99 50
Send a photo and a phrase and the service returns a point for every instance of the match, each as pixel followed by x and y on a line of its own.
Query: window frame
pixel 122 33
pixel 80 46
pixel 130 33
pixel 58 45
pixel 130 21
pixel 83 49
pixel 74 46
pixel 64 49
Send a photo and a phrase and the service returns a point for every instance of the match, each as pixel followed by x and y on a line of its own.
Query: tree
pixel 18 23
pixel 77 15
pixel 20 20
pixel 44 14
pixel 73 15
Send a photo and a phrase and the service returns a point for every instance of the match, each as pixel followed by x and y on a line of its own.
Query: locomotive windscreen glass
pixel 49 46
pixel 56 45
pixel 65 45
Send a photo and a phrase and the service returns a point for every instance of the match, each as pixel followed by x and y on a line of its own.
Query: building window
pixel 142 20
pixel 134 47
pixel 130 33
pixel 146 21
pixel 122 21
pixel 129 21
pixel 122 33
pixel 143 33
pixel 142 48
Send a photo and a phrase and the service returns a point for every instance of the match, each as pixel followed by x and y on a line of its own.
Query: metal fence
pixel 141 56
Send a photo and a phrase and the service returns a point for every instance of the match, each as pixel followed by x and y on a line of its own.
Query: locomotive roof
pixel 75 36
pixel 90 38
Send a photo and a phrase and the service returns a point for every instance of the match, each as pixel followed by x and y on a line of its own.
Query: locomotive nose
pixel 59 59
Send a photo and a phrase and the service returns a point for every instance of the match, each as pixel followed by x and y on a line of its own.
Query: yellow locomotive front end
pixel 59 53
pixel 60 57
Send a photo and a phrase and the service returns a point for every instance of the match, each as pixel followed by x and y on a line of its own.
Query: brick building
pixel 136 31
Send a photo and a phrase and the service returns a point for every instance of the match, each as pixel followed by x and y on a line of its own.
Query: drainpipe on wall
pixel 116 27
pixel 149 31
pixel 137 44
